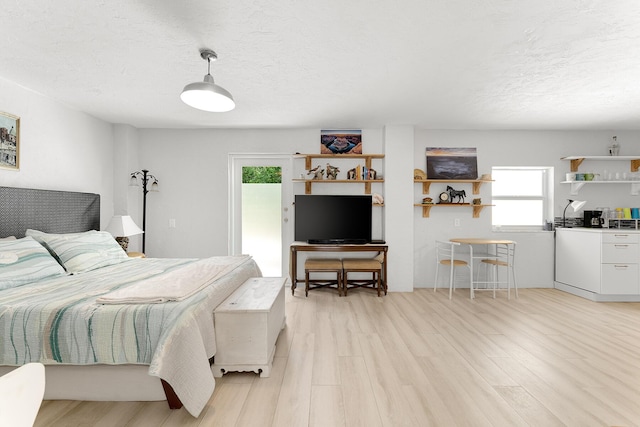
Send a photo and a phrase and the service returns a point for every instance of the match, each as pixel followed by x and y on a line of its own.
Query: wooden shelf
pixel 576 161
pixel 426 208
pixel 367 157
pixel 476 183
pixel 308 183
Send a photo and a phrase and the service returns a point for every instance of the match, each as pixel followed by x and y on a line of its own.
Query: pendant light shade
pixel 207 95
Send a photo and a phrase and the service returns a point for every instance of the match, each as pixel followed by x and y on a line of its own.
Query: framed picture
pixel 9 141
pixel 452 163
pixel 340 142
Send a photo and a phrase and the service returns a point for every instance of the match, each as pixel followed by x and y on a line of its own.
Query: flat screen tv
pixel 332 219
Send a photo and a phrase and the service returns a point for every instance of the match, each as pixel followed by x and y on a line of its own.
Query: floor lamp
pixel 145 177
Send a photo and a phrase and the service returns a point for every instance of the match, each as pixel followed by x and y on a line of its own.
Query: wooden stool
pixel 362 265
pixel 322 265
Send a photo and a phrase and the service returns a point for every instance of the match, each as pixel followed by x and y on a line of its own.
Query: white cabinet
pixel 578 259
pixel 599 264
pixel 248 323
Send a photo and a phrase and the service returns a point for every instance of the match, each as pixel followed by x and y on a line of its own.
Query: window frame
pixel 546 197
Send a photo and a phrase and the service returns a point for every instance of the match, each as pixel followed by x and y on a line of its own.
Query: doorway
pixel 259 210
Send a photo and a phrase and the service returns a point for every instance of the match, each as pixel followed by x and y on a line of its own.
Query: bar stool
pixel 363 265
pixel 504 257
pixel 322 265
pixel 445 256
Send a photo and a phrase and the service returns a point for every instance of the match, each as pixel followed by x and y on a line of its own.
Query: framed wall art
pixel 9 141
pixel 452 163
pixel 341 142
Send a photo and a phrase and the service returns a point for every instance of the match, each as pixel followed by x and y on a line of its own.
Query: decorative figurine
pixel 377 199
pixel 460 194
pixel 427 201
pixel 614 148
pixel 477 201
pixel 316 172
pixel 351 174
pixel 332 172
pixel 372 174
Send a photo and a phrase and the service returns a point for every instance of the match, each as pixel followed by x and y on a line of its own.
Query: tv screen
pixel 332 219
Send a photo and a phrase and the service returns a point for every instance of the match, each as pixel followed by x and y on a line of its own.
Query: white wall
pixel 60 148
pixel 535 256
pixel 64 149
pixel 192 166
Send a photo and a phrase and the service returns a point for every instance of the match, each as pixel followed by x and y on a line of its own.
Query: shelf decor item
pixel 460 194
pixel 614 148
pixel 341 142
pixel 317 172
pixel 452 163
pixel 332 172
pixel 419 175
pixel 9 141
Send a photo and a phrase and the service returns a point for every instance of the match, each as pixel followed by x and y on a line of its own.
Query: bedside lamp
pixel 576 205
pixel 121 227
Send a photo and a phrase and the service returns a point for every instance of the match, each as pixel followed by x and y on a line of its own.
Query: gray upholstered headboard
pixel 47 210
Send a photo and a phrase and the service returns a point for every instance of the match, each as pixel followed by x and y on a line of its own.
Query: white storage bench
pixel 247 326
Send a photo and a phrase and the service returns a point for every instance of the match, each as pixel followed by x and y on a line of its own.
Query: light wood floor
pixel 419 359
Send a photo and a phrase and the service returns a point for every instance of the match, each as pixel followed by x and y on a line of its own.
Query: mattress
pixel 57 321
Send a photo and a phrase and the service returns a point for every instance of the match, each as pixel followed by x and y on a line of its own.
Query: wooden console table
pixel 307 247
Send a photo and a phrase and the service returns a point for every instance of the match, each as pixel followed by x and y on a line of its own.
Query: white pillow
pixel 25 261
pixel 87 251
pixel 8 238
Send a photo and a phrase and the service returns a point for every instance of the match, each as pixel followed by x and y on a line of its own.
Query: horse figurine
pixel 460 194
pixel 317 172
pixel 332 171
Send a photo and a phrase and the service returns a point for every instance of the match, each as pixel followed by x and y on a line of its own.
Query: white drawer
pixel 620 237
pixel 626 253
pixel 619 279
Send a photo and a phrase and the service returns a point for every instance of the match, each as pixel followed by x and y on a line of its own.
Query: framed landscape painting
pixel 452 163
pixel 341 142
pixel 9 141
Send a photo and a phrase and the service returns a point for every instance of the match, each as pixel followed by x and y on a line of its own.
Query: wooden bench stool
pixel 362 265
pixel 322 265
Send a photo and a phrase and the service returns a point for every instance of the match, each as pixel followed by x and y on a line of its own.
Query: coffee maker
pixel 593 219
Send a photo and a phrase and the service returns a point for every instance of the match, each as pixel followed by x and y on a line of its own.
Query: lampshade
pixel 123 226
pixel 207 95
pixel 576 205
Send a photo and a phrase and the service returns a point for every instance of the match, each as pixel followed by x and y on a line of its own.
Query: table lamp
pixel 576 205
pixel 121 227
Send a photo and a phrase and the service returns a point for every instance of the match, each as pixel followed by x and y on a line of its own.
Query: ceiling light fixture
pixel 207 95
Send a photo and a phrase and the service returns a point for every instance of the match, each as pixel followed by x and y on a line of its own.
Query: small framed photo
pixel 9 141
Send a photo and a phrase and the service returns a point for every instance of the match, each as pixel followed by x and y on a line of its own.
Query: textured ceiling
pixel 439 64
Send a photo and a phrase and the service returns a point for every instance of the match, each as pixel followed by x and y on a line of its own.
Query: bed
pixel 109 327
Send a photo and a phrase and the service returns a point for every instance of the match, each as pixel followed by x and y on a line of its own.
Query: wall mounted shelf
pixel 308 183
pixel 308 160
pixel 576 161
pixel 577 185
pixel 476 183
pixel 426 208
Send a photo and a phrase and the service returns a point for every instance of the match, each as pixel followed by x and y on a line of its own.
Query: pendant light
pixel 207 95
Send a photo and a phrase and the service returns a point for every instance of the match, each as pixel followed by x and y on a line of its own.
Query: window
pixel 522 198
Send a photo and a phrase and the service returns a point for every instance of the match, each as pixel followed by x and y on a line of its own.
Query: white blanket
pixel 175 285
